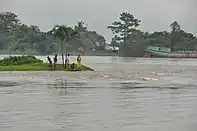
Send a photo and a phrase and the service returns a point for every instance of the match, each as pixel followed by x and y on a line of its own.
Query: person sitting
pixel 72 67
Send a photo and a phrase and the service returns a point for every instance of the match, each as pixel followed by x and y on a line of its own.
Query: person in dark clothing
pixel 55 61
pixel 66 63
pixel 50 61
pixel 72 66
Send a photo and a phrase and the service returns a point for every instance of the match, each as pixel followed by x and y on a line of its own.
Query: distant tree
pixel 102 42
pixel 175 34
pixel 18 34
pixel 114 43
pixel 125 27
pixel 159 38
pixel 80 27
pixel 146 35
pixel 8 20
pixel 34 29
pixel 175 26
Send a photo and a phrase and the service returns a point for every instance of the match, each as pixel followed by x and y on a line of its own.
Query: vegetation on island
pixel 31 63
pixel 19 38
pixel 19 60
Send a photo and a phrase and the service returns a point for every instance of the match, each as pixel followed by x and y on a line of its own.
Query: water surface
pixel 123 94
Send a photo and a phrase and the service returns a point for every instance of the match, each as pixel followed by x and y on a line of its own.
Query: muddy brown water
pixel 122 94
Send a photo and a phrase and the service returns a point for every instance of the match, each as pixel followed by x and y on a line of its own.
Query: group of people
pixel 67 62
pixel 51 64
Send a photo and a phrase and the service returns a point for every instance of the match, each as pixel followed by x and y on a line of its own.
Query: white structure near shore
pixel 113 48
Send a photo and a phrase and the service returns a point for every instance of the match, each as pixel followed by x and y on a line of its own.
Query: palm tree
pixel 64 34
pixel 80 27
pixel 70 34
pixel 34 29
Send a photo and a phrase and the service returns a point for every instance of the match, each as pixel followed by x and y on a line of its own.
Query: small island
pixel 31 63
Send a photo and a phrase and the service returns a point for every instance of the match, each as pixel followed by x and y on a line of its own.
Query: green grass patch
pixel 19 60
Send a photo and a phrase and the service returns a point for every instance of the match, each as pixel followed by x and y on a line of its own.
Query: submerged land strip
pixel 31 63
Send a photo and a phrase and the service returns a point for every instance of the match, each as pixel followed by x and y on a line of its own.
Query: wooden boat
pixel 164 52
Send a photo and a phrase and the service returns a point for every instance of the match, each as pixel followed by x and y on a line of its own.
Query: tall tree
pixel 81 27
pixel 18 33
pixel 64 34
pixel 34 29
pixel 175 26
pixel 114 43
pixel 59 32
pixel 125 27
pixel 175 34
pixel 8 20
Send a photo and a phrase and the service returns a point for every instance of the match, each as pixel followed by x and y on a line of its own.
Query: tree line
pixel 133 42
pixel 19 38
pixel 16 37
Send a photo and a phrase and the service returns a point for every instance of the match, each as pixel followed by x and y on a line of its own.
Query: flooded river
pixel 122 94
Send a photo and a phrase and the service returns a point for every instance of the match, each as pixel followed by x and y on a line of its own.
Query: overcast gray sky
pixel 155 14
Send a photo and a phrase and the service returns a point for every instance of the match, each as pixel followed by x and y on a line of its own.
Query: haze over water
pixel 123 94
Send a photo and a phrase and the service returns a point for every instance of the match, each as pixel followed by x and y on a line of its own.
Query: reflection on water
pixel 122 94
pixel 59 84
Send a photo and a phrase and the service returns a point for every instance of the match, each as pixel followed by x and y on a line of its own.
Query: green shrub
pixel 19 60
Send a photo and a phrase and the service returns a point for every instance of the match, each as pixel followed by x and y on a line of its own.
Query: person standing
pixel 55 61
pixel 79 62
pixel 50 61
pixel 67 61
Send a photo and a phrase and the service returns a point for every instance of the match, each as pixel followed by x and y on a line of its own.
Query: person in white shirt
pixel 67 60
